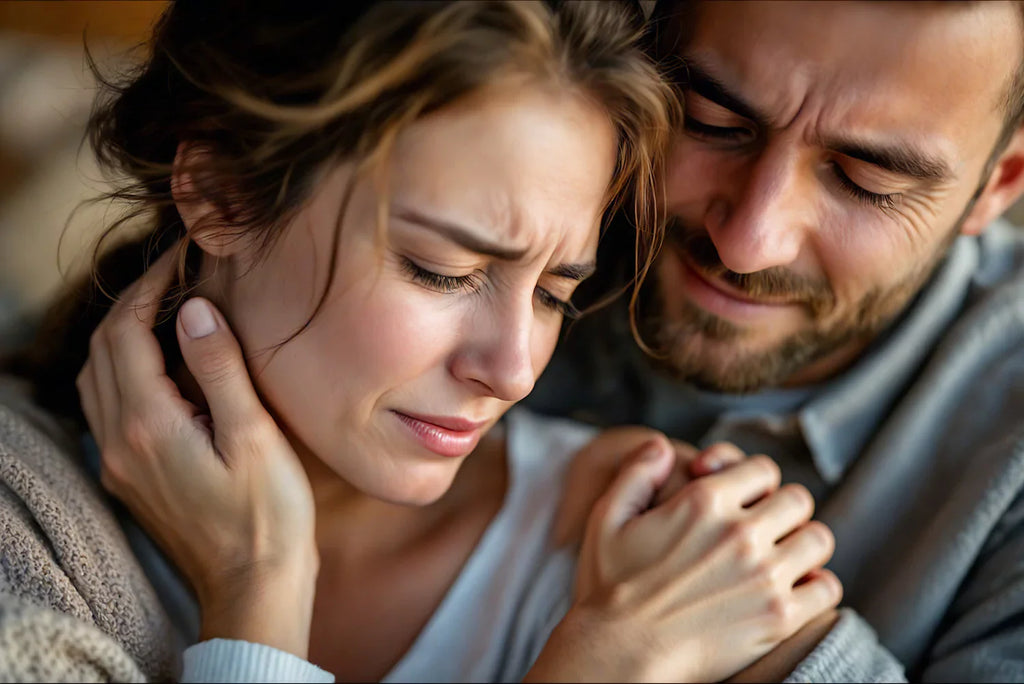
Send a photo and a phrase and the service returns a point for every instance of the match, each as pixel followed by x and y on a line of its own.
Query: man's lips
pixel 725 288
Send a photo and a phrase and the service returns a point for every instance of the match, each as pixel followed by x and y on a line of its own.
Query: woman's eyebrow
pixel 576 272
pixel 460 235
pixel 468 238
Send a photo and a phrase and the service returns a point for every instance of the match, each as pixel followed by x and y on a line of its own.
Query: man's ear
pixel 204 221
pixel 1004 186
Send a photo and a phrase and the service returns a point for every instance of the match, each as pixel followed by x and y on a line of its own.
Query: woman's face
pixel 436 325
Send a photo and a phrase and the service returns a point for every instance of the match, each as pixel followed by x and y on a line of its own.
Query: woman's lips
pixel 448 436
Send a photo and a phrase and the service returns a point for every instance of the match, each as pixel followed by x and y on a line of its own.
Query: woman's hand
pixel 224 494
pixel 694 588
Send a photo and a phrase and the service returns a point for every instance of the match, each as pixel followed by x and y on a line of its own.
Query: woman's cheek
pixel 394 333
pixel 544 346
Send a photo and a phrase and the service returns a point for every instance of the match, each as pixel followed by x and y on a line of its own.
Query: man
pixel 836 292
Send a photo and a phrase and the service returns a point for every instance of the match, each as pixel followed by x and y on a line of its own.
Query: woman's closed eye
pixel 471 282
pixel 441 282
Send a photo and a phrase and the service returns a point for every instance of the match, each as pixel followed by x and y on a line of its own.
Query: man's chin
pixel 712 365
pixel 723 357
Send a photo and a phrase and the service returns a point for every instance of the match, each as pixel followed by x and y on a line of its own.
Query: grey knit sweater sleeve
pixel 980 637
pixel 850 653
pixel 74 602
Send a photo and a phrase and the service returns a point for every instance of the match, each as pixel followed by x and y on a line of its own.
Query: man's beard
pixel 681 337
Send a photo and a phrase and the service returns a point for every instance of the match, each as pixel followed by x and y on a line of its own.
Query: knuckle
pixel 833 587
pixel 743 537
pixel 799 496
pixel 768 466
pixel 112 472
pixel 781 612
pixel 619 595
pixel 117 329
pixel 821 534
pixel 215 365
pixel 250 437
pixel 770 575
pixel 702 498
pixel 136 432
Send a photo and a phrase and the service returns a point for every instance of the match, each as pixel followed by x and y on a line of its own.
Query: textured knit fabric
pixel 499 612
pixel 74 604
pixel 915 455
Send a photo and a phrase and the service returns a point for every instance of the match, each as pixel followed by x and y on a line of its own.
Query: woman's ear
pixel 204 221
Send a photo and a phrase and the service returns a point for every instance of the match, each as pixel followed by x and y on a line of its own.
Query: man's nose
pixel 496 355
pixel 759 218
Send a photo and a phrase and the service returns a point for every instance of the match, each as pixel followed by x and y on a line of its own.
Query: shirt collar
pixel 838 420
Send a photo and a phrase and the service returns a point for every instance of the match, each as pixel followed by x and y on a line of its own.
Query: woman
pixel 393 223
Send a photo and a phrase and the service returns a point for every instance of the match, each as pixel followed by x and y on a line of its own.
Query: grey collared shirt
pixel 915 455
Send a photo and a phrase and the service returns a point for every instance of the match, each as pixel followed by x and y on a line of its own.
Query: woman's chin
pixel 413 485
pixel 421 493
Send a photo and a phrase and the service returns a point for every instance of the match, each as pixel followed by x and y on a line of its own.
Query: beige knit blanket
pixel 74 603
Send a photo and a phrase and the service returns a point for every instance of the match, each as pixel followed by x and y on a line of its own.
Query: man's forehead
pixel 923 67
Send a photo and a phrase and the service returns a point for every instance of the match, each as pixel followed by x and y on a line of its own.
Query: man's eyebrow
pixel 470 240
pixel 900 158
pixel 699 79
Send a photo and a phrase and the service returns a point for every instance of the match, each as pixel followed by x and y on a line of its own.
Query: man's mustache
pixel 772 283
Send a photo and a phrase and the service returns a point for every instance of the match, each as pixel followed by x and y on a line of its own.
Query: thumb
pixel 638 481
pixel 214 358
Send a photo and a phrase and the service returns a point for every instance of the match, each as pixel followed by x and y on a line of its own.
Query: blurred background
pixel 46 91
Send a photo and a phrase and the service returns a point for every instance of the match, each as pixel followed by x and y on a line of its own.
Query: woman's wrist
pixel 271 605
pixel 587 646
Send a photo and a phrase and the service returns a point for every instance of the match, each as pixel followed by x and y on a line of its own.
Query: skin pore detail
pixel 810 204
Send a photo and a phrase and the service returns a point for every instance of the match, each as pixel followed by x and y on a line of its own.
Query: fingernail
pixel 197 318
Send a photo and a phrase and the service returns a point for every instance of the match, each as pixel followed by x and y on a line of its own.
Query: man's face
pixel 831 152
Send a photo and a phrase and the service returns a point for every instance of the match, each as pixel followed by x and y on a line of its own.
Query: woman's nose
pixel 496 356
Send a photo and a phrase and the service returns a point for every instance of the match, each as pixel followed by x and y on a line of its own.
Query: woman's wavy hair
pixel 275 92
